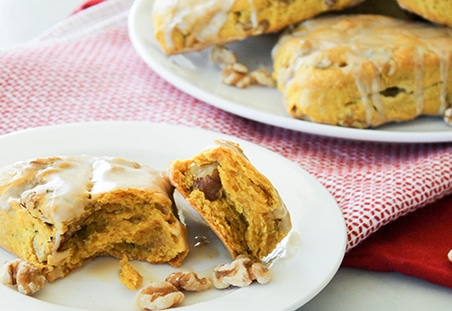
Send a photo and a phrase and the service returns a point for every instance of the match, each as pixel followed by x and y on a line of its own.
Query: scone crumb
pixel 128 276
pixel 448 116
pixel 241 273
pixel 159 296
pixel 22 276
pixel 189 281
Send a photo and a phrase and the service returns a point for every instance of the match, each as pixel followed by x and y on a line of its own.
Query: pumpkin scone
pixel 439 12
pixel 363 71
pixel 236 200
pixel 182 26
pixel 58 212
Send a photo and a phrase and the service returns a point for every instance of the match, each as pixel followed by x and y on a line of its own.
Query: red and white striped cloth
pixel 85 69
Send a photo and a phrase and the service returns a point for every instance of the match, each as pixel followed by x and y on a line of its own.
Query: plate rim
pixel 62 128
pixel 371 135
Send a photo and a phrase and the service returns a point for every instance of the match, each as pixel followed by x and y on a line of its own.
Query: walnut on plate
pixel 159 296
pixel 235 73
pixel 241 272
pixel 263 77
pixel 222 56
pixel 22 276
pixel 189 281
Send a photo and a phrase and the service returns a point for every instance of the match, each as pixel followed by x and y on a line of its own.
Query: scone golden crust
pixel 240 204
pixel 182 26
pixel 58 212
pixel 364 70
pixel 435 11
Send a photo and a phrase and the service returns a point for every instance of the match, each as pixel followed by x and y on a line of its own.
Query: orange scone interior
pixel 237 201
pixel 58 212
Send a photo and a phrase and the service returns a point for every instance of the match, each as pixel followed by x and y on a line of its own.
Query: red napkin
pixel 415 245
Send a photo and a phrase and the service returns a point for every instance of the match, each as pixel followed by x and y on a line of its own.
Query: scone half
pixel 58 212
pixel 237 201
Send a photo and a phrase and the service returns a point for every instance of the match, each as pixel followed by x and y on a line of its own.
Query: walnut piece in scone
pixel 20 275
pixel 241 273
pixel 159 296
pixel 189 281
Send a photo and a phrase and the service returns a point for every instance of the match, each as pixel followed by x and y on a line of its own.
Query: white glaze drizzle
pixel 64 190
pixel 112 173
pixel 254 19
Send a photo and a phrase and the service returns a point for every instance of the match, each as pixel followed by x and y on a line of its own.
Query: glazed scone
pixel 58 212
pixel 181 26
pixel 364 70
pixel 238 203
pixel 439 12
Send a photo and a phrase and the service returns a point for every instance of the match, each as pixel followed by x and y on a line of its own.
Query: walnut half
pixel 209 183
pixel 189 281
pixel 222 56
pixel 22 276
pixel 241 273
pixel 159 296
pixel 236 75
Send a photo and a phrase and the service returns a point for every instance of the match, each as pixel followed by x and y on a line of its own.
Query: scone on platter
pixel 237 201
pixel 363 71
pixel 439 12
pixel 182 26
pixel 58 212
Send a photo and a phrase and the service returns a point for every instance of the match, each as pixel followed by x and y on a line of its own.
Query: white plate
pixel 194 74
pixel 317 242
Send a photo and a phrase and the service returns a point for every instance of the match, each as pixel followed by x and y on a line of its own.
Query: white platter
pixel 194 74
pixel 316 246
